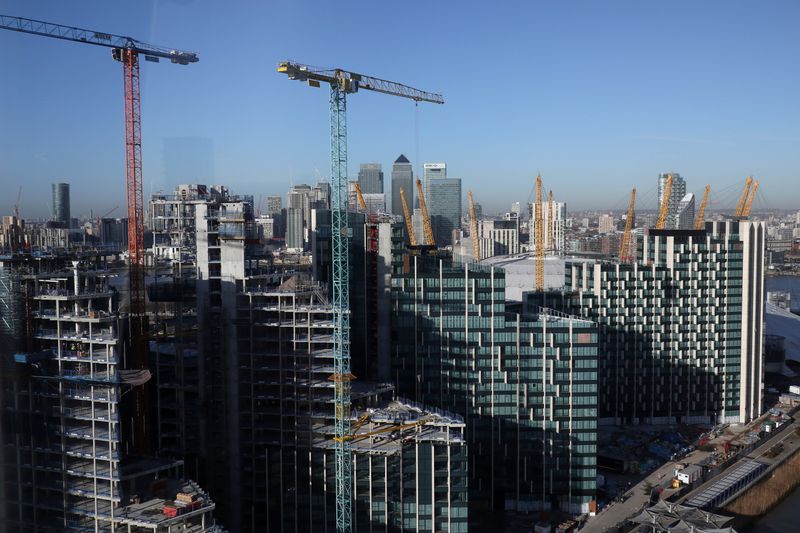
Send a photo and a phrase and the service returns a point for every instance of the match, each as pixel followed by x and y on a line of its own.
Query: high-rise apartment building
pixel 681 330
pixel 553 233
pixel 443 199
pixel 606 224
pixel 402 178
pixel 61 204
pixel 274 205
pixel 71 458
pixel 526 384
pixel 677 192
pixel 498 237
pixel 370 177
pixel 685 214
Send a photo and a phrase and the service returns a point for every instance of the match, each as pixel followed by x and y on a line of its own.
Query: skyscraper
pixel 370 177
pixel 61 211
pixel 274 205
pixel 402 178
pixel 443 197
pixel 677 192
pixel 430 171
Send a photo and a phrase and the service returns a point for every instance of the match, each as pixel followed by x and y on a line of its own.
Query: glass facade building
pixel 526 384
pixel 61 210
pixel 444 206
pixel 370 177
pixel 402 178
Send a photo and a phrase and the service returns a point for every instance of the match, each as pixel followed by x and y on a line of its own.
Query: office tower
pixel 61 205
pixel 677 192
pixel 553 233
pixel 432 171
pixel 498 237
pixel 443 199
pixel 680 330
pixel 606 224
pixel 274 205
pixel 321 196
pixel 295 230
pixel 402 178
pixel 376 203
pixel 516 207
pixel 526 383
pixel 71 461
pixel 370 177
pixel 685 213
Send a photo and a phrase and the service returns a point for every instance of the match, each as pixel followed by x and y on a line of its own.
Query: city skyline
pixel 732 119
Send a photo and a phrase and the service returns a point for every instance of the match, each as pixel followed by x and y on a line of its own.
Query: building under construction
pixel 71 461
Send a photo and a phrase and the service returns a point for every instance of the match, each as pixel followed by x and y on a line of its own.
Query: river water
pixel 784 517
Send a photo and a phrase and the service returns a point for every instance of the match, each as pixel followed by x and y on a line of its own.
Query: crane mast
pixel 743 198
pixel 538 282
pixel 664 209
pixel 473 230
pixel 701 212
pixel 625 254
pixel 341 83
pixel 412 239
pixel 426 220
pixel 126 50
pixel 749 204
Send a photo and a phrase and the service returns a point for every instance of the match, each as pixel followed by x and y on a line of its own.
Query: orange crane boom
pixel 426 221
pixel 625 244
pixel 701 212
pixel 538 260
pixel 412 239
pixel 664 209
pixel 749 204
pixel 743 198
pixel 473 230
pixel 361 203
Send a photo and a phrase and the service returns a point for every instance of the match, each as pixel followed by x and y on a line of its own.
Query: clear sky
pixel 597 96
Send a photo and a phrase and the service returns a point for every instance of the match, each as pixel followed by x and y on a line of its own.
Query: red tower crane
pixel 127 51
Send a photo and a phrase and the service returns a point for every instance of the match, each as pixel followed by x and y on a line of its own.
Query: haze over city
pixel 594 98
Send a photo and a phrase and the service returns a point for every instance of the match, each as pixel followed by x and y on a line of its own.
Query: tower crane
pixel 342 83
pixel 701 212
pixel 664 209
pixel 473 230
pixel 412 239
pixel 126 50
pixel 538 281
pixel 361 203
pixel 625 254
pixel 426 219
pixel 746 211
pixel 743 198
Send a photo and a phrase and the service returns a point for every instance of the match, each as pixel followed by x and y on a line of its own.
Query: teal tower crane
pixel 343 82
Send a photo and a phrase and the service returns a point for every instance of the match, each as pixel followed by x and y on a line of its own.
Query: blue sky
pixel 597 96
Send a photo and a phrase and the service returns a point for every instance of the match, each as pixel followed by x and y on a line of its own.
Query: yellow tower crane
pixel 473 230
pixel 361 203
pixel 664 210
pixel 625 254
pixel 426 221
pixel 701 212
pixel 538 260
pixel 749 204
pixel 412 239
pixel 743 198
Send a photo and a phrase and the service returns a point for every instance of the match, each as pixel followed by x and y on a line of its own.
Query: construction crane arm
pixel 79 35
pixel 426 220
pixel 625 244
pixel 743 198
pixel 664 209
pixel 746 211
pixel 352 82
pixel 412 239
pixel 701 212
pixel 473 230
pixel 361 203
